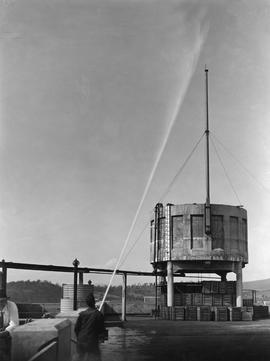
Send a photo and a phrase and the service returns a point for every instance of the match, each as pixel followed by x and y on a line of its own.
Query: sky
pixel 94 93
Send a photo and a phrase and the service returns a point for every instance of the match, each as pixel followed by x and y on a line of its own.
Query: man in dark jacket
pixel 88 329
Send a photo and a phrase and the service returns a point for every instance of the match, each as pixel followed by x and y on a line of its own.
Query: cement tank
pixel 83 290
pixel 180 242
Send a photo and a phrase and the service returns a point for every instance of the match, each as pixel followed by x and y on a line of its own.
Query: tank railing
pixel 47 353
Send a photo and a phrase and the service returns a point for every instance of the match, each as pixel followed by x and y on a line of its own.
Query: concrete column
pixel 239 285
pixel 170 289
pixel 124 297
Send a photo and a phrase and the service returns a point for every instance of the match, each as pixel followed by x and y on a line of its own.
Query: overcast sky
pixel 88 91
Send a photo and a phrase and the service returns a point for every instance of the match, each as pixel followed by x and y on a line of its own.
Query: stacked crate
pixel 230 287
pixel 206 287
pixel 204 294
pixel 205 313
pixel 222 287
pixel 207 299
pixel 179 313
pixel 236 314
pixel 178 299
pixel 188 299
pixel 247 316
pixel 191 313
pixel 197 299
pixel 215 287
pixel 227 300
pixel 260 312
pixel 217 299
pixel 221 313
pixel 163 312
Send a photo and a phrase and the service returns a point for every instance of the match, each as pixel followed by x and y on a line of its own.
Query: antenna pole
pixel 207 203
pixel 207 141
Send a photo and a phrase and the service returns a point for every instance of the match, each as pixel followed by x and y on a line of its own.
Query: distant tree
pixel 45 291
pixel 34 291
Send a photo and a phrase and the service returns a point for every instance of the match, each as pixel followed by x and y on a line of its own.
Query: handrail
pixel 47 343
pixel 43 351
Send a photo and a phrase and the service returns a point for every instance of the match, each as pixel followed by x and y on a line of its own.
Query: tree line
pixel 46 292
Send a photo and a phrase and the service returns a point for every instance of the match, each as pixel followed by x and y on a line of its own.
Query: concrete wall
pixel 27 339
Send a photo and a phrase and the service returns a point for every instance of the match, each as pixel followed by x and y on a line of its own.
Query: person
pixel 9 317
pixel 89 328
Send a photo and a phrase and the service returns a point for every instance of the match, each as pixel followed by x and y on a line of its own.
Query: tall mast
pixel 207 203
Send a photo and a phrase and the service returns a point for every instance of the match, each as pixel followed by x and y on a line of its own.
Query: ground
pixel 160 340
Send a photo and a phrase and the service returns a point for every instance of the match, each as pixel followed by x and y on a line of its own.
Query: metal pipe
pixel 170 287
pixel 207 142
pixel 156 233
pixel 156 305
pixel 124 297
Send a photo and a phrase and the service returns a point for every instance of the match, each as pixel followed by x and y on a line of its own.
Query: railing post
pixel 4 277
pixel 75 264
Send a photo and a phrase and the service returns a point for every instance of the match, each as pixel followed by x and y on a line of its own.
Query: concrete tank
pixel 83 290
pixel 180 242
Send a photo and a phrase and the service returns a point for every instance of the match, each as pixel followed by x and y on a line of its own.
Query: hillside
pixel 259 285
pixel 47 292
pixel 34 291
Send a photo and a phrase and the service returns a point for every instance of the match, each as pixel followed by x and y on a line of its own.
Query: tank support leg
pixel 239 285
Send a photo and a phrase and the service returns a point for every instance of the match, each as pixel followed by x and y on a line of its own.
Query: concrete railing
pixel 35 339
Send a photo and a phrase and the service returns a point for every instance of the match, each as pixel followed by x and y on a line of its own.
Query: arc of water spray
pixel 159 155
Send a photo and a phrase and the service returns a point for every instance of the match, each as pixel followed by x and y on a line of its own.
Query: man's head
pixel 3 298
pixel 90 300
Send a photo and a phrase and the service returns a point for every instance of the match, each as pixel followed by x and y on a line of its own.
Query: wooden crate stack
pixel 260 312
pixel 236 314
pixel 221 313
pixel 207 299
pixel 180 312
pixel 191 313
pixel 217 299
pixel 178 299
pixel 188 299
pixel 227 300
pixel 205 313
pixel 197 299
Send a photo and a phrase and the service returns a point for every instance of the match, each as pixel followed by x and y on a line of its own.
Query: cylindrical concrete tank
pixel 66 303
pixel 82 291
pixel 178 235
